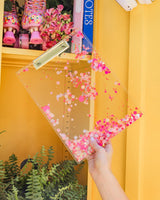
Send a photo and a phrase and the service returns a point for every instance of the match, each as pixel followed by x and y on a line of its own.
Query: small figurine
pixel 10 25
pixel 32 18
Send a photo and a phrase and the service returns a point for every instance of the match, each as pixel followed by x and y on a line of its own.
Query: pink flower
pixel 55 26
pixel 66 16
pixel 60 7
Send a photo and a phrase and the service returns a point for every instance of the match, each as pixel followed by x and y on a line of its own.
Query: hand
pixel 99 164
pixel 100 160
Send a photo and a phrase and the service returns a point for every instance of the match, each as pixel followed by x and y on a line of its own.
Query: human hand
pixel 100 160
pixel 99 164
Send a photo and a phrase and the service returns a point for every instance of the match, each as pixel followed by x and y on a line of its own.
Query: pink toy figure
pixel 10 25
pixel 32 18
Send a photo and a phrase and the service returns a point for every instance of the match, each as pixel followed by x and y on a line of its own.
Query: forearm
pixel 109 187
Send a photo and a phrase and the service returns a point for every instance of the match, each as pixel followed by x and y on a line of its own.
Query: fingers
pixel 108 148
pixel 94 144
pixel 90 157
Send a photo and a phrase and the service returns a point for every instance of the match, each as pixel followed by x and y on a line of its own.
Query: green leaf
pixel 2 131
pixel 8 5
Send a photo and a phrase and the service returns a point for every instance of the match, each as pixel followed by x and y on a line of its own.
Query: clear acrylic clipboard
pixel 60 83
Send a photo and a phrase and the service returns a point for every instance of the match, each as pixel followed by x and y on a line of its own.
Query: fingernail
pixel 92 139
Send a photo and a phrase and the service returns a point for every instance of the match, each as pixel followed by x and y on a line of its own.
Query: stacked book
pixel 83 18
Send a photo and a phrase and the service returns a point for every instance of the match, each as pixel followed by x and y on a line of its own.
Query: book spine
pixel 88 20
pixel 78 25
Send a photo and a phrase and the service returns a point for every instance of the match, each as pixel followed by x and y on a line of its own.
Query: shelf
pixel 14 57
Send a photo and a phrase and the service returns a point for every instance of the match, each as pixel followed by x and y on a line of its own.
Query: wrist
pixel 101 174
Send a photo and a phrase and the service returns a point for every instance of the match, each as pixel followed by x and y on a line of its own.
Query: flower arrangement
pixel 55 26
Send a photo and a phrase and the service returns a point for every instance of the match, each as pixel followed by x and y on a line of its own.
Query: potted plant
pixel 38 178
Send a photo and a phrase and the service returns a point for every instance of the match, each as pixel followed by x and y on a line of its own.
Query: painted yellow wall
pixel 112 42
pixel 137 55
pixel 26 128
pixel 113 37
pixel 142 160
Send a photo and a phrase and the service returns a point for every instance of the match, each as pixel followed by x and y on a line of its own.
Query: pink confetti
pixel 81 99
pixel 83 80
pixel 115 90
pixel 110 97
pixel 103 132
pixel 65 68
pixel 117 83
pixel 58 130
pixel 26 69
pixel 98 65
pixel 80 34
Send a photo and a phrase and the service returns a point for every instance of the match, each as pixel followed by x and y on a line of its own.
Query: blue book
pixel 88 20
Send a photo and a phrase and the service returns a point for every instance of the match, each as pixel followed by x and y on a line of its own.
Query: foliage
pixel 38 178
pixel 55 26
pixel 8 5
pixel 33 190
pixel 2 131
pixel 68 5
pixel 12 169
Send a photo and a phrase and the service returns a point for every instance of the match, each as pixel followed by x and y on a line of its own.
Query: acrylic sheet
pixel 63 90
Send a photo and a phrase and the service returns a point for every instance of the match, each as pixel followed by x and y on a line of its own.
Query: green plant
pixel 12 169
pixel 38 178
pixel 8 5
pixel 33 190
pixel 2 131
pixel 68 5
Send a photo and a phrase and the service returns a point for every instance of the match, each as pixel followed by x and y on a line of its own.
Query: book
pixel 76 45
pixel 88 20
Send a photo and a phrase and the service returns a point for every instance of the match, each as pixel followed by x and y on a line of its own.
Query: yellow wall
pixel 113 36
pixel 112 42
pixel 26 128
pixel 143 163
pixel 136 52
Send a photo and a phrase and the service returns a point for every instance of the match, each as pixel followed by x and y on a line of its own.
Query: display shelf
pixel 14 57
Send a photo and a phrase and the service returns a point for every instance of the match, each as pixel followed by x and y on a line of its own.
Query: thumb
pixel 94 144
pixel 109 149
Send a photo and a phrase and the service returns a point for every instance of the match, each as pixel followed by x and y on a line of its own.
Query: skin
pixel 99 164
